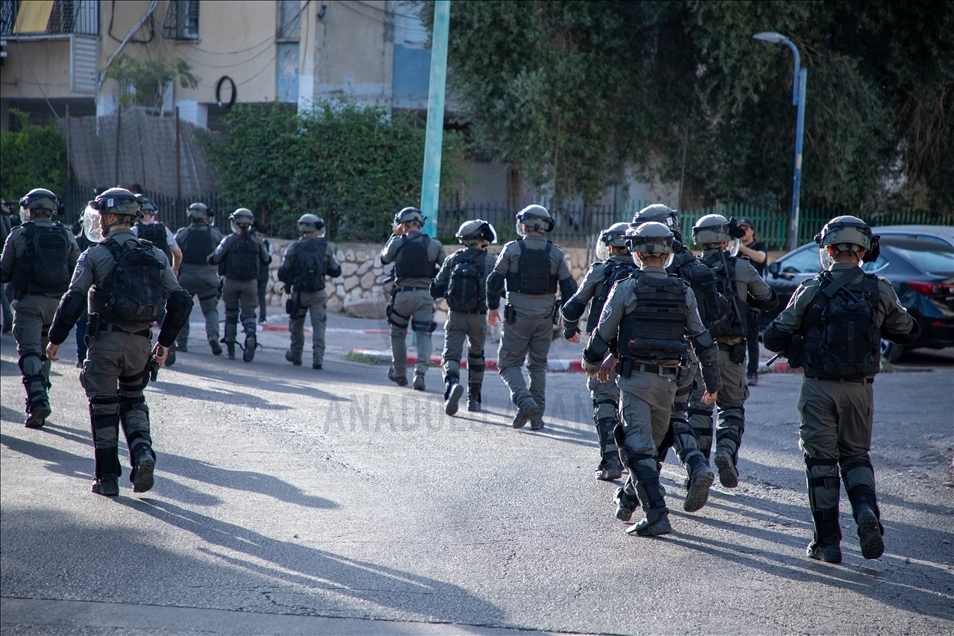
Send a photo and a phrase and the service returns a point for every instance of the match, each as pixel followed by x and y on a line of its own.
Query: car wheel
pixel 891 351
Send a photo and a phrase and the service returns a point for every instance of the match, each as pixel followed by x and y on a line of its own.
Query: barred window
pixel 182 20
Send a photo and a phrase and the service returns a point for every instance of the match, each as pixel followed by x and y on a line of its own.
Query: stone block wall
pixel 361 290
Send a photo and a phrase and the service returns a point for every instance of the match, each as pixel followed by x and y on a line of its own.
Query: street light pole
pixel 799 82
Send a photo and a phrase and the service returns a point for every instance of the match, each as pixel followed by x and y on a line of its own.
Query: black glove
pixel 734 230
pixel 569 333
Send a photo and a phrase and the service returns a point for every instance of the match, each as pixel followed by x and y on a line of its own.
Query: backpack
pixel 134 289
pixel 732 322
pixel 155 233
pixel 49 251
pixel 710 301
pixel 842 338
pixel 613 272
pixel 309 273
pixel 464 287
pixel 242 260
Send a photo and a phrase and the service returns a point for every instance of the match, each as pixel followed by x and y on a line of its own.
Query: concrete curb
pixel 555 366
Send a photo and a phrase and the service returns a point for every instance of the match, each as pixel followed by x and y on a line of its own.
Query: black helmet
pixel 660 214
pixel 410 215
pixel 198 211
pixel 311 223
pixel 39 201
pixel 118 201
pixel 536 218
pixel 473 232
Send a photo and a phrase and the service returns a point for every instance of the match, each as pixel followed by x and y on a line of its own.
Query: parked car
pixel 919 262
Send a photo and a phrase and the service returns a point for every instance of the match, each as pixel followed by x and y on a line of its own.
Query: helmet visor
pixel 732 247
pixel 93 224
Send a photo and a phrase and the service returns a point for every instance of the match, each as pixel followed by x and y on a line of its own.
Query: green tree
pixel 354 166
pixel 577 91
pixel 144 82
pixel 31 157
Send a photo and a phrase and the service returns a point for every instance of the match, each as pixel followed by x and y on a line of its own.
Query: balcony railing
pixel 52 18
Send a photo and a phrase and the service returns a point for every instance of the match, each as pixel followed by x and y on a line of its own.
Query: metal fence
pixel 62 18
pixel 172 211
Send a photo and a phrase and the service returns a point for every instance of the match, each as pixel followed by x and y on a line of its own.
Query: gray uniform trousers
pixel 645 408
pixel 315 304
pixel 731 403
pixel 32 317
pixel 414 308
pixel 526 338
pixel 201 281
pixel 458 328
pixel 114 376
pixel 835 431
pixel 244 294
pixel 689 387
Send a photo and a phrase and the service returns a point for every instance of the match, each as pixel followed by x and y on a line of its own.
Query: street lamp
pixel 799 79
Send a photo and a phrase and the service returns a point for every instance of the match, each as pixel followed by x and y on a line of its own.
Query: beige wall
pixel 40 68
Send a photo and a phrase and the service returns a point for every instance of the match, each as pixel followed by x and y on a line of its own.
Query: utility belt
pixel 407 288
pixel 826 378
pixel 628 366
pixel 97 326
pixel 736 350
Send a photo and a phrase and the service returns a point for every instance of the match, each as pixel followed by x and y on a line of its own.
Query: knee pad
pixel 21 362
pixel 423 326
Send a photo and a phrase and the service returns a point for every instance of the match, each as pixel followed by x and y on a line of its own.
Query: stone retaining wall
pixel 361 292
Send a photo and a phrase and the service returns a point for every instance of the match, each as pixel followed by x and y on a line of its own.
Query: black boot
pixel 700 480
pixel 609 468
pixel 144 465
pixel 107 472
pixel 826 543
pixel 452 393
pixel 37 401
pixel 473 397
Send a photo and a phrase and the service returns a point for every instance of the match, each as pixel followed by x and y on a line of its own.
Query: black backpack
pixel 155 233
pixel 242 259
pixel 842 338
pixel 732 323
pixel 710 301
pixel 464 290
pixel 613 272
pixel 49 252
pixel 134 288
pixel 310 266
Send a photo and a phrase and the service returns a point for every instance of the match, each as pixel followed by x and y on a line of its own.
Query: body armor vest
pixel 613 271
pixel 241 261
pixel 197 243
pixel 155 233
pixel 732 324
pixel 411 260
pixel 654 330
pixel 534 275
pixel 46 269
pixel 842 337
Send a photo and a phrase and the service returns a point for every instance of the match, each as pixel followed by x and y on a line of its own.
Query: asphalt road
pixel 296 501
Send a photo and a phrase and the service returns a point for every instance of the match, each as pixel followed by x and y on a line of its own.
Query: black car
pixel 920 269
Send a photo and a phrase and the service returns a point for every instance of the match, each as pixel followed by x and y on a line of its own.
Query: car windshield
pixel 933 258
pixel 803 261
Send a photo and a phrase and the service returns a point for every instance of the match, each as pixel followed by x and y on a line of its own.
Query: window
pixel 182 20
pixel 289 20
pixel 53 17
pixel 803 261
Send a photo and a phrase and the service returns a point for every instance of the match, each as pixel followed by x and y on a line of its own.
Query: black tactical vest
pixel 197 243
pixel 412 261
pixel 842 337
pixel 46 267
pixel 613 272
pixel 155 233
pixel 654 330
pixel 534 274
pixel 733 323
pixel 712 305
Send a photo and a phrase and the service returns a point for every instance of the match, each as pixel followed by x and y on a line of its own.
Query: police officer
pixel 240 254
pixel 712 306
pixel 416 259
pixel 156 232
pixel 833 326
pixel 744 288
pixel 38 260
pixel 756 252
pixel 128 282
pixel 303 269
pixel 6 226
pixel 532 268
pixel 462 280
pixel 196 276
pixel 650 316
pixel 615 263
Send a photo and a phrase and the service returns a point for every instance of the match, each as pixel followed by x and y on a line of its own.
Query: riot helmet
pixel 410 215
pixel 198 212
pixel 534 218
pixel 613 236
pixel 311 223
pixel 846 233
pixel 39 202
pixel 714 231
pixel 118 201
pixel 659 213
pixel 147 206
pixel 472 233
pixel 652 239
pixel 242 219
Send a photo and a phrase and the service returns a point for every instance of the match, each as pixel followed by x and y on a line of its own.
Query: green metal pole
pixel 431 183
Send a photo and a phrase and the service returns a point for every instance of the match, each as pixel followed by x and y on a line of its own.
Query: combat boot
pixel 473 397
pixel 452 394
pixel 418 382
pixel 37 412
pixel 294 359
pixel 626 504
pixel 229 349
pixel 609 469
pixel 826 543
pixel 399 380
pixel 536 423
pixel 249 353
pixel 655 524
pixel 524 413
pixel 869 532
pixel 144 465
pixel 829 553
pixel 107 485
pixel 216 347
pixel 698 489
pixel 728 474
